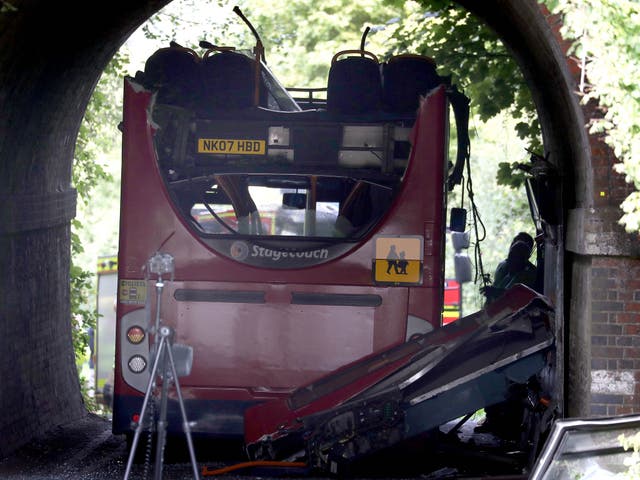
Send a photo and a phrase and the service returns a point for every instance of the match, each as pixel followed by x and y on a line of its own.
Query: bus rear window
pixel 282 205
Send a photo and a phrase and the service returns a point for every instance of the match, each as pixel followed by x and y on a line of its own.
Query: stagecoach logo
pixel 240 251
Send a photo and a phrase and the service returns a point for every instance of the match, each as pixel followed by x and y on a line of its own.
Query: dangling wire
pixel 479 228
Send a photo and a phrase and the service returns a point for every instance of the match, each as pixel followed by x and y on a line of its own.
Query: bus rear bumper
pixel 207 418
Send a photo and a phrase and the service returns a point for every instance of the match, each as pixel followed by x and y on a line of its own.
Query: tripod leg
pixel 162 419
pixel 143 411
pixel 185 422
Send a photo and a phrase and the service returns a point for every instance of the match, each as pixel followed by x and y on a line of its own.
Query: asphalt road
pixel 87 450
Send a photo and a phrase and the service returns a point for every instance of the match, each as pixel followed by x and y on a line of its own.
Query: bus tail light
pixel 135 334
pixel 137 364
pixel 134 350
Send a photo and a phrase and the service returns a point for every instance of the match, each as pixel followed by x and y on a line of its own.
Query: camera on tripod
pixel 170 361
pixel 161 263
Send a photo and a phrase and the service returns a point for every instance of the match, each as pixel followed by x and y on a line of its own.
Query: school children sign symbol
pixel 398 260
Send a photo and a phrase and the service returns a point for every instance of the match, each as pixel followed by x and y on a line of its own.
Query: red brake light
pixel 135 335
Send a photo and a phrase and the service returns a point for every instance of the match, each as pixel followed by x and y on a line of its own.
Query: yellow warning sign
pixel 133 292
pixel 107 265
pixel 398 259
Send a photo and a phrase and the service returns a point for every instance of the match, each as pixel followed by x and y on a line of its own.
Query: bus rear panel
pixel 303 240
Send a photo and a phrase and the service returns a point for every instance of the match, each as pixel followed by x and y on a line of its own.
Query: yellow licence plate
pixel 232 146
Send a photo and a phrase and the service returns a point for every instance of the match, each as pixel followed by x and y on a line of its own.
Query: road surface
pixel 87 450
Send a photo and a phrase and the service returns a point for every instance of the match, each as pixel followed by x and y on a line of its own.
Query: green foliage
pixel 633 462
pixel 82 318
pixel 503 208
pixel 472 55
pixel 6 7
pixel 304 36
pixel 187 22
pixel 605 35
pixel 96 136
pixel 300 37
pixel 511 174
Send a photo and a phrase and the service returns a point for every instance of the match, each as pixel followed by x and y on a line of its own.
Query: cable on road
pixel 206 471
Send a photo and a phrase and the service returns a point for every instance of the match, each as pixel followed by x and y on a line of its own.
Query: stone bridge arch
pixel 51 57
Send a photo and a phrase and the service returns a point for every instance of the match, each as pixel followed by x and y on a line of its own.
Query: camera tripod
pixel 163 361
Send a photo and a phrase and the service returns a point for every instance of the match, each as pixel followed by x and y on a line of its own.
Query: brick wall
pixel 615 336
pixel 604 330
pixel 615 289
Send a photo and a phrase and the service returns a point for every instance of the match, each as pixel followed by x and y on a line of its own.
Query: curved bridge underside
pixel 52 56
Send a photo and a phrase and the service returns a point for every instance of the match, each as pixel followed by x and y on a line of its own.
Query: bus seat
pixel 174 72
pixel 404 79
pixel 354 84
pixel 229 80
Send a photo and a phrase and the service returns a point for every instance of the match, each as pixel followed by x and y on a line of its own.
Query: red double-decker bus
pixel 304 235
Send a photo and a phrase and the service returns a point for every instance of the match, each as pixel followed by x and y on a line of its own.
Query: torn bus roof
pixel 409 389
